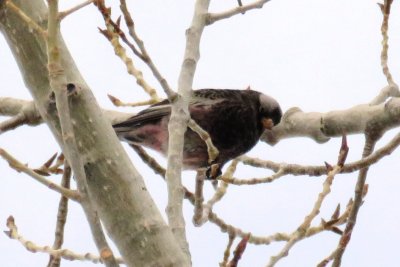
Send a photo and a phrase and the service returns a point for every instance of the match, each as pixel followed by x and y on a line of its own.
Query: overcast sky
pixel 316 55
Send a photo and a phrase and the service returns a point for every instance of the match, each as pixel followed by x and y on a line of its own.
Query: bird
pixel 234 119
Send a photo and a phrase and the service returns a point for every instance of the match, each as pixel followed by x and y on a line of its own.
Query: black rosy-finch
pixel 234 119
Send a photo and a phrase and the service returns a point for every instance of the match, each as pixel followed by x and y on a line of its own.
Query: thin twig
pixel 150 161
pixel 237 254
pixel 61 217
pixel 241 9
pixel 120 51
pixel 385 8
pixel 370 142
pixel 301 231
pixel 227 252
pixel 143 51
pixel 62 253
pixel 296 169
pixel 253 181
pixel 118 103
pixel 68 12
pixel 112 33
pixel 20 167
pixel 202 211
pixel 199 198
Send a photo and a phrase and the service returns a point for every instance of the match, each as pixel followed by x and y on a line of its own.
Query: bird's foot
pixel 213 171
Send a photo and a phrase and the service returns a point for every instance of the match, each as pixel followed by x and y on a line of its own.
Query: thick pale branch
pixel 178 124
pixel 27 19
pixel 134 225
pixel 321 126
pixel 13 106
pixel 387 92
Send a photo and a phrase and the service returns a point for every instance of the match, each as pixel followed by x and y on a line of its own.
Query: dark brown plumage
pixel 235 120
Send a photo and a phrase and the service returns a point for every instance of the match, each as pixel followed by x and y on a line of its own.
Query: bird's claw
pixel 213 171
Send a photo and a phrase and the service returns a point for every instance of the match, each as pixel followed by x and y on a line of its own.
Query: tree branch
pixel 370 142
pixel 61 217
pixel 178 124
pixel 62 253
pixel 321 126
pixel 13 106
pixel 20 167
pixel 241 9
pixel 115 187
pixel 63 14
pixel 144 54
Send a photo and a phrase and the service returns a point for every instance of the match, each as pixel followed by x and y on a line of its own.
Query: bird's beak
pixel 267 123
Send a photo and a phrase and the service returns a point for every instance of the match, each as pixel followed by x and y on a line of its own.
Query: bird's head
pixel 270 111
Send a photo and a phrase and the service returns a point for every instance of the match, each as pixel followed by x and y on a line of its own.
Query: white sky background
pixel 317 55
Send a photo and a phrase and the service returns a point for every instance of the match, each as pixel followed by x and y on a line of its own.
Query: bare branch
pixel 61 253
pixel 301 231
pixel 12 106
pixel 199 198
pixel 112 33
pixel 118 103
pixel 120 51
pixel 178 124
pixel 61 218
pixel 201 214
pixel 241 9
pixel 13 123
pixel 106 164
pixel 322 126
pixel 151 162
pixel 295 169
pixel 106 254
pixel 388 91
pixel 227 251
pixel 385 8
pixel 237 254
pixel 23 112
pixel 359 193
pixel 143 51
pixel 20 167
pixel 63 14
pixel 253 181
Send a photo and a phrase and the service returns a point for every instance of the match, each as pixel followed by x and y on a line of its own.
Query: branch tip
pixel 344 150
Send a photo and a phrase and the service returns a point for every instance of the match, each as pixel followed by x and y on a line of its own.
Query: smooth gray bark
pixel 115 187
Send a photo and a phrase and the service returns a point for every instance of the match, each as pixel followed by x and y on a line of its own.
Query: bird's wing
pixel 200 100
pixel 151 114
